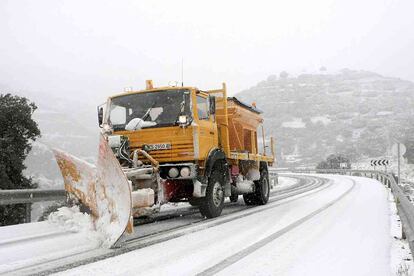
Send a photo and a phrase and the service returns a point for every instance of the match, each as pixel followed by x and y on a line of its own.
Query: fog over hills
pixel 66 123
pixel 357 113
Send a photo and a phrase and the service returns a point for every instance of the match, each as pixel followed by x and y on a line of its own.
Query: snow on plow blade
pixel 104 189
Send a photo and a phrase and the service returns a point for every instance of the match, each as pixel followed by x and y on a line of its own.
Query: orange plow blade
pixel 104 189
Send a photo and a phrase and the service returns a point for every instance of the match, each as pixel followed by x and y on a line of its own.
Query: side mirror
pixel 100 116
pixel 212 105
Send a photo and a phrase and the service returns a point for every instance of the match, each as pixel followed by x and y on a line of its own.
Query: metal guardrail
pixel 404 206
pixel 29 196
pixel 8 197
pixel 273 178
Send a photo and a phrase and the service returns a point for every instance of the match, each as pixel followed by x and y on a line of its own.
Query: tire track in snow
pixel 187 211
pixel 312 185
pixel 195 226
pixel 316 183
pixel 26 239
pixel 247 251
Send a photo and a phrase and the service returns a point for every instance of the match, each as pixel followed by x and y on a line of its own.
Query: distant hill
pixel 357 113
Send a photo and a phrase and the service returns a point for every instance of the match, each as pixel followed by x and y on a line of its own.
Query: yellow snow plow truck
pixel 170 144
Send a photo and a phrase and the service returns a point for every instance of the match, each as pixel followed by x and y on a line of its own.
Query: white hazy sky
pixel 96 48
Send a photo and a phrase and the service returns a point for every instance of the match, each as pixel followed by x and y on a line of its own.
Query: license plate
pixel 164 146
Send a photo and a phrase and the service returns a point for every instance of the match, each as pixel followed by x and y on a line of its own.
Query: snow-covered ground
pixel 325 120
pixel 296 123
pixel 401 257
pixel 67 232
pixel 285 182
pixel 347 227
pixel 341 230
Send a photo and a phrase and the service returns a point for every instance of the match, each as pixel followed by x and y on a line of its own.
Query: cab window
pixel 118 115
pixel 202 108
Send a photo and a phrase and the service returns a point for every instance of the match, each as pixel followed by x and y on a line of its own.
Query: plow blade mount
pixel 103 189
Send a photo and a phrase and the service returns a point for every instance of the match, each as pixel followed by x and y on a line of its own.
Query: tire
pixel 234 198
pixel 194 201
pixel 263 186
pixel 212 204
pixel 250 199
pixel 262 190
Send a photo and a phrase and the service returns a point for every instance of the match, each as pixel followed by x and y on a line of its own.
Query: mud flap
pixel 104 189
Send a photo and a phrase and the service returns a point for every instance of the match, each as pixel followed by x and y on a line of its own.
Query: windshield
pixel 160 108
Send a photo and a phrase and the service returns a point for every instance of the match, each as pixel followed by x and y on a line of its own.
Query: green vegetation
pixel 17 131
pixel 334 161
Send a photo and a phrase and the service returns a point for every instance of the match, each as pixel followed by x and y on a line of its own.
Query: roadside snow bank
pixel 66 232
pixel 285 181
pixel 71 219
pixel 401 258
pixel 296 123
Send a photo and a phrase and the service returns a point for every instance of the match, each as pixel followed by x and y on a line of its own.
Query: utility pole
pixel 398 156
pixel 399 149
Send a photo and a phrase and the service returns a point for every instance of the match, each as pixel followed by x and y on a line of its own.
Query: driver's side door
pixel 207 127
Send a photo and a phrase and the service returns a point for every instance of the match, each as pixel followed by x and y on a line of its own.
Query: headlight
pixel 185 172
pixel 173 172
pixel 114 141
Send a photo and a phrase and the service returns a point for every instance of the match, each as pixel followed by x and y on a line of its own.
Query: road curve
pixel 172 222
pixel 340 228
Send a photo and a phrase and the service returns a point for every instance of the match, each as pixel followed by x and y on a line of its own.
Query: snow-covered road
pixel 67 238
pixel 312 225
pixel 342 229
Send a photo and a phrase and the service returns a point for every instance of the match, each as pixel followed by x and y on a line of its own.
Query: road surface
pixel 320 225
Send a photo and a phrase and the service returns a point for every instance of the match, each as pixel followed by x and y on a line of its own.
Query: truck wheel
pixel 234 198
pixel 261 195
pixel 212 204
pixel 263 186
pixel 194 201
pixel 250 199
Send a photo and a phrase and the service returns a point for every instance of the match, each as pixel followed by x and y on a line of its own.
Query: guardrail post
pixel 403 235
pixel 28 212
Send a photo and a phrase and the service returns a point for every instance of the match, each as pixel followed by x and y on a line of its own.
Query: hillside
pixel 357 113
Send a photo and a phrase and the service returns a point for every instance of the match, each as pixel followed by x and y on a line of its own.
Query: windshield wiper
pixel 148 112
